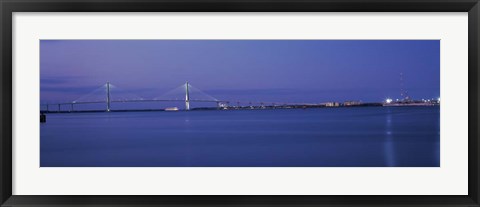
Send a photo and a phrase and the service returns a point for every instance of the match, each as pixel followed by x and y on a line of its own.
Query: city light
pixel 389 100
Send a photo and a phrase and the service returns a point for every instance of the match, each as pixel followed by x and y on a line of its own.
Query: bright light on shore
pixel 389 100
pixel 438 99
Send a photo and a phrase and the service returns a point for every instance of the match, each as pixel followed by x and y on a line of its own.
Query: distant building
pixel 222 105
pixel 332 104
pixel 352 103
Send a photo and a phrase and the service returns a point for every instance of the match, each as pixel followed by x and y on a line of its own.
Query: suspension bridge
pixel 108 94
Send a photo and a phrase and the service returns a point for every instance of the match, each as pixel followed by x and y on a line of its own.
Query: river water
pixel 323 137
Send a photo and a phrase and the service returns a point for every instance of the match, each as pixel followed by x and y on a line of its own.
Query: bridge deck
pixel 144 100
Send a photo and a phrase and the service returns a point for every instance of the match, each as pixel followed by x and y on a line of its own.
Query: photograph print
pixel 239 103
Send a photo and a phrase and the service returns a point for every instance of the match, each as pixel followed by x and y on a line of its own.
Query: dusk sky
pixel 243 70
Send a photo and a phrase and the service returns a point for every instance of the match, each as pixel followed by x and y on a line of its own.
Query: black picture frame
pixel 7 7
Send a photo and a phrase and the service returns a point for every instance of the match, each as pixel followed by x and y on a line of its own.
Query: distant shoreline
pixel 233 108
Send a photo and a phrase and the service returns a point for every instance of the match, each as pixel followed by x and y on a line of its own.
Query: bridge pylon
pixel 187 97
pixel 108 96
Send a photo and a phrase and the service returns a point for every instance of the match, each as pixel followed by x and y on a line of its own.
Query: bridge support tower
pixel 108 96
pixel 187 97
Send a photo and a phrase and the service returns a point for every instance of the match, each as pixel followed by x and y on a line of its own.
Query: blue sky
pixel 243 70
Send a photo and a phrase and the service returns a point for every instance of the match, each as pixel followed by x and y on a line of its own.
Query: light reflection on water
pixel 389 143
pixel 326 137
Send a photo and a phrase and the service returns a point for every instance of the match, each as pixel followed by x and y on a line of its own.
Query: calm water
pixel 325 137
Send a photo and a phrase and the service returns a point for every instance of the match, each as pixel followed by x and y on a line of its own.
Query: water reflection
pixel 389 146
